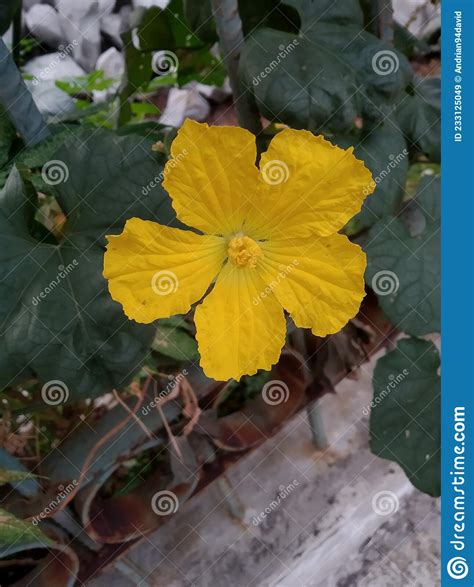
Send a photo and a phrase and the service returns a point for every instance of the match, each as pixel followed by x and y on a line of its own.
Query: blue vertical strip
pixel 457 63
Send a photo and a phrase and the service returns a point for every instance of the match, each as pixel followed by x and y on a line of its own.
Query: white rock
pixel 53 66
pixel 213 93
pixel 150 3
pixel 421 16
pixel 49 99
pixel 111 25
pixel 44 23
pixel 112 63
pixel 80 24
pixel 182 104
pixel 8 37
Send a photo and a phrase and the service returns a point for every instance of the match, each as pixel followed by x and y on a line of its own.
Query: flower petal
pixel 212 176
pixel 156 271
pixel 238 331
pixel 307 186
pixel 319 281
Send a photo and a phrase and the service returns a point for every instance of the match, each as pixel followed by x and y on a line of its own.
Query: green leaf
pixel 200 19
pixel 7 476
pixel 173 340
pixel 166 29
pixel 419 116
pixel 7 134
pixel 325 77
pixel 404 262
pixel 405 418
pixel 16 532
pixel 58 321
pixel 8 9
pixel 27 484
pixel 385 153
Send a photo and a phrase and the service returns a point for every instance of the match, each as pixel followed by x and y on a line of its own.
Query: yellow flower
pixel 269 242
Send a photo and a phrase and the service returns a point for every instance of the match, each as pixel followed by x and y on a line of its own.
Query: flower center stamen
pixel 243 251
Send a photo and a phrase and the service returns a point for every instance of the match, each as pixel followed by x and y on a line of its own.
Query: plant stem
pixel 385 20
pixel 231 38
pixel 234 505
pixel 16 36
pixel 316 423
pixel 18 102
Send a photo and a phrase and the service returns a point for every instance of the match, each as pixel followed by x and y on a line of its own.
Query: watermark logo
pixel 284 51
pixel 385 283
pixel 393 162
pixel 171 164
pixel 54 172
pixel 164 283
pixel 283 492
pixel 64 491
pixel 62 54
pixel 275 172
pixel 63 272
pixel 171 385
pixel 54 392
pixel 394 380
pixel 385 503
pixel 164 503
pixel 385 62
pixel 275 392
pixel 269 289
pixel 457 567
pixel 164 62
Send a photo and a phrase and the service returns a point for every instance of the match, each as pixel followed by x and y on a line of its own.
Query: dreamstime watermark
pixel 174 381
pixel 284 51
pixel 164 282
pixel 55 392
pixel 385 503
pixel 275 172
pixel 64 491
pixel 275 392
pixel 394 380
pixel 457 567
pixel 283 493
pixel 54 172
pixel 282 274
pixel 164 62
pixel 63 52
pixel 385 62
pixel 63 272
pixel 394 161
pixel 164 503
pixel 385 283
pixel 156 181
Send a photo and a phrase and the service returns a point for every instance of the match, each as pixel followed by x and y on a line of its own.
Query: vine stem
pixel 313 411
pixel 231 39
pixel 18 101
pixel 385 20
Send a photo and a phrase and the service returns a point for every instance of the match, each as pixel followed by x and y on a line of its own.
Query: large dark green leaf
pixel 58 321
pixel 166 28
pixel 405 418
pixel 200 19
pixel 404 262
pixel 15 533
pixel 8 9
pixel 419 116
pixel 327 75
pixel 384 151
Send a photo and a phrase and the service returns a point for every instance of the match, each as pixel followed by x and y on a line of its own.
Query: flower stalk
pixel 231 38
